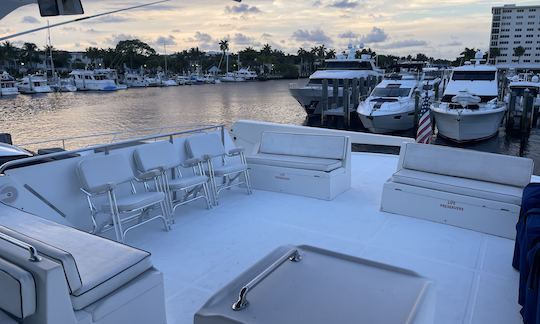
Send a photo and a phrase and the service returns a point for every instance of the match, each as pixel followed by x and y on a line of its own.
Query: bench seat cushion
pixel 6 319
pixel 308 145
pixel 295 162
pixel 461 186
pixel 94 266
pixel 135 201
pixel 17 291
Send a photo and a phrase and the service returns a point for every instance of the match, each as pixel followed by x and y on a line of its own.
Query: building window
pixel 530 23
pixel 526 61
pixel 497 11
pixel 529 36
pixel 527 54
pixel 495 25
pixel 517 36
pixel 531 17
pixel 530 29
pixel 519 23
pixel 532 10
pixel 519 17
pixel 528 42
pixel 520 10
pixel 517 42
pixel 518 29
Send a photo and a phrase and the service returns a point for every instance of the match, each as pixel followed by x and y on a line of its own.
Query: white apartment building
pixel 513 26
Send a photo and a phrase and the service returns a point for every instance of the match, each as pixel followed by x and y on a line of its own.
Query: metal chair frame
pixel 139 214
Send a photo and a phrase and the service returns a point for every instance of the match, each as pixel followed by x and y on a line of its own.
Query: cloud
pixel 242 9
pixel 313 36
pixel 176 30
pixel 114 39
pixel 348 34
pixel 344 4
pixel 452 43
pixel 266 35
pixel 376 35
pixel 317 3
pixel 111 19
pixel 405 43
pixel 29 20
pixel 200 37
pixel 241 39
pixel 168 40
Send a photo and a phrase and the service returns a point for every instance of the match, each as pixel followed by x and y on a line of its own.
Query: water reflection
pixel 37 117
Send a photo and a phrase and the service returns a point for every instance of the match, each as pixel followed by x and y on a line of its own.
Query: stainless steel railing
pixel 110 146
pixel 34 257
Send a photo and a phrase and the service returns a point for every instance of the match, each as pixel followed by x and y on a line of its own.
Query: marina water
pixel 62 115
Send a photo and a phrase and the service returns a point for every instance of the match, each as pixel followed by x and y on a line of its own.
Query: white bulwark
pixel 513 26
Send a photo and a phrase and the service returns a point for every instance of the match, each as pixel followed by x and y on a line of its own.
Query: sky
pixel 437 28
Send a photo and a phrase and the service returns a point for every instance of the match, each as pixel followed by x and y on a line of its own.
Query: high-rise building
pixel 512 27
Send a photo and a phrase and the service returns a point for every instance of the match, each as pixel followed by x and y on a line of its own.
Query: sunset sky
pixel 438 28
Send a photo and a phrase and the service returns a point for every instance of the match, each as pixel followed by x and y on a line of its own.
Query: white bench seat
pixel 295 162
pixel 136 201
pixel 17 291
pixel 94 267
pixel 461 186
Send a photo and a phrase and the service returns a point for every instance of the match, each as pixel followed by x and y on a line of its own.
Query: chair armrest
pixel 149 175
pixel 235 151
pixel 100 189
pixel 191 162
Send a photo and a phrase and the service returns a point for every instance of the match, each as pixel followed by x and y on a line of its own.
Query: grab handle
pixel 242 302
pixel 34 257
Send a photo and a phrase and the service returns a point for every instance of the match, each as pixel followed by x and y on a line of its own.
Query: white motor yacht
pixel 93 80
pixel 341 68
pixel 246 74
pixel 34 83
pixel 469 109
pixel 8 86
pixel 518 85
pixel 231 77
pixel 134 80
pixel 390 106
pixel 66 85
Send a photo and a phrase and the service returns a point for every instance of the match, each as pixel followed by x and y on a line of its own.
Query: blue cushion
pixel 529 201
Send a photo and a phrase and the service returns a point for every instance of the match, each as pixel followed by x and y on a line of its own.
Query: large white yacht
pixel 93 80
pixel 261 223
pixel 341 68
pixel 246 74
pixel 469 109
pixel 34 83
pixel 8 86
pixel 134 80
pixel 390 106
pixel 517 86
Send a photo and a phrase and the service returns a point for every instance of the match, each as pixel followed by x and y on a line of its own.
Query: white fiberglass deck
pixel 472 273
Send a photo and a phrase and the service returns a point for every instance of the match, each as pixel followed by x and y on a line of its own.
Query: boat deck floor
pixel 472 273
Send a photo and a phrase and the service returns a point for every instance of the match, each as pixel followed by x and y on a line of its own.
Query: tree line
pixel 134 54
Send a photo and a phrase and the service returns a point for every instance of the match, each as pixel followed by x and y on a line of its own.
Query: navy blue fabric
pixel 530 200
pixel 530 239
pixel 530 310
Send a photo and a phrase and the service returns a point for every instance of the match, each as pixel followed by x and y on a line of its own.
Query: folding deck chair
pixel 229 165
pixel 111 176
pixel 164 157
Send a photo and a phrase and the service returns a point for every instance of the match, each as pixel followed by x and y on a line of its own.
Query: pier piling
pixel 324 100
pixel 362 87
pixel 355 94
pixel 526 123
pixel 436 90
pixel 416 108
pixel 510 113
pixel 335 93
pixel 346 103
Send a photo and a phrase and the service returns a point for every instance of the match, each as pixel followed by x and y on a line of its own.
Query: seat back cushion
pixel 205 144
pixel 18 292
pixel 90 263
pixel 156 155
pixel 307 145
pixel 96 171
pixel 490 167
pixel 6 319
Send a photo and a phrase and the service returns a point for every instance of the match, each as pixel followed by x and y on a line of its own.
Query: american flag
pixel 424 132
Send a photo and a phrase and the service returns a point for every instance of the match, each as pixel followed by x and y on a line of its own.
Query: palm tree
pixel 494 52
pixel 330 54
pixel 30 53
pixel 519 52
pixel 92 53
pixel 9 52
pixel 321 51
pixel 468 54
pixel 224 47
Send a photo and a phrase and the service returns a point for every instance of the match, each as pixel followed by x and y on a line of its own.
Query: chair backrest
pixel 17 285
pixel 97 171
pixel 490 167
pixel 205 144
pixel 307 145
pixel 156 155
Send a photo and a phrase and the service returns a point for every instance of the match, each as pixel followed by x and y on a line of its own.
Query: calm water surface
pixel 60 115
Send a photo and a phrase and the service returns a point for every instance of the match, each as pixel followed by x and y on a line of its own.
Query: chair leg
pixel 207 196
pixel 247 179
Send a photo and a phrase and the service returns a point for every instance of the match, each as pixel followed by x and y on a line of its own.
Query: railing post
pixel 324 100
pixel 436 89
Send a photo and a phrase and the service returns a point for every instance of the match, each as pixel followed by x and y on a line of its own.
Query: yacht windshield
pixel 348 65
pixel 390 92
pixel 473 75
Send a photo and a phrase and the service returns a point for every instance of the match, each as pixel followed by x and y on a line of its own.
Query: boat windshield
pixel 391 92
pixel 520 90
pixel 473 75
pixel 348 65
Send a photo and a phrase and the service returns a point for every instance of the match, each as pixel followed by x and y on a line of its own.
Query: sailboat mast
pixel 50 49
pixel 165 49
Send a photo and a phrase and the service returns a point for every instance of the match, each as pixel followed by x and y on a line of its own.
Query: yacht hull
pixel 34 90
pixel 460 126
pixel 310 98
pixel 388 123
pixel 9 91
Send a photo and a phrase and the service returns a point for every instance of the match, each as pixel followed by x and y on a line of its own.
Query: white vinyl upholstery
pixel 156 155
pixel 229 168
pixel 94 267
pixel 308 145
pixel 295 162
pixel 489 167
pixel 17 291
pixel 137 201
pixel 461 186
pixel 97 171
pixel 205 144
pixel 181 183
